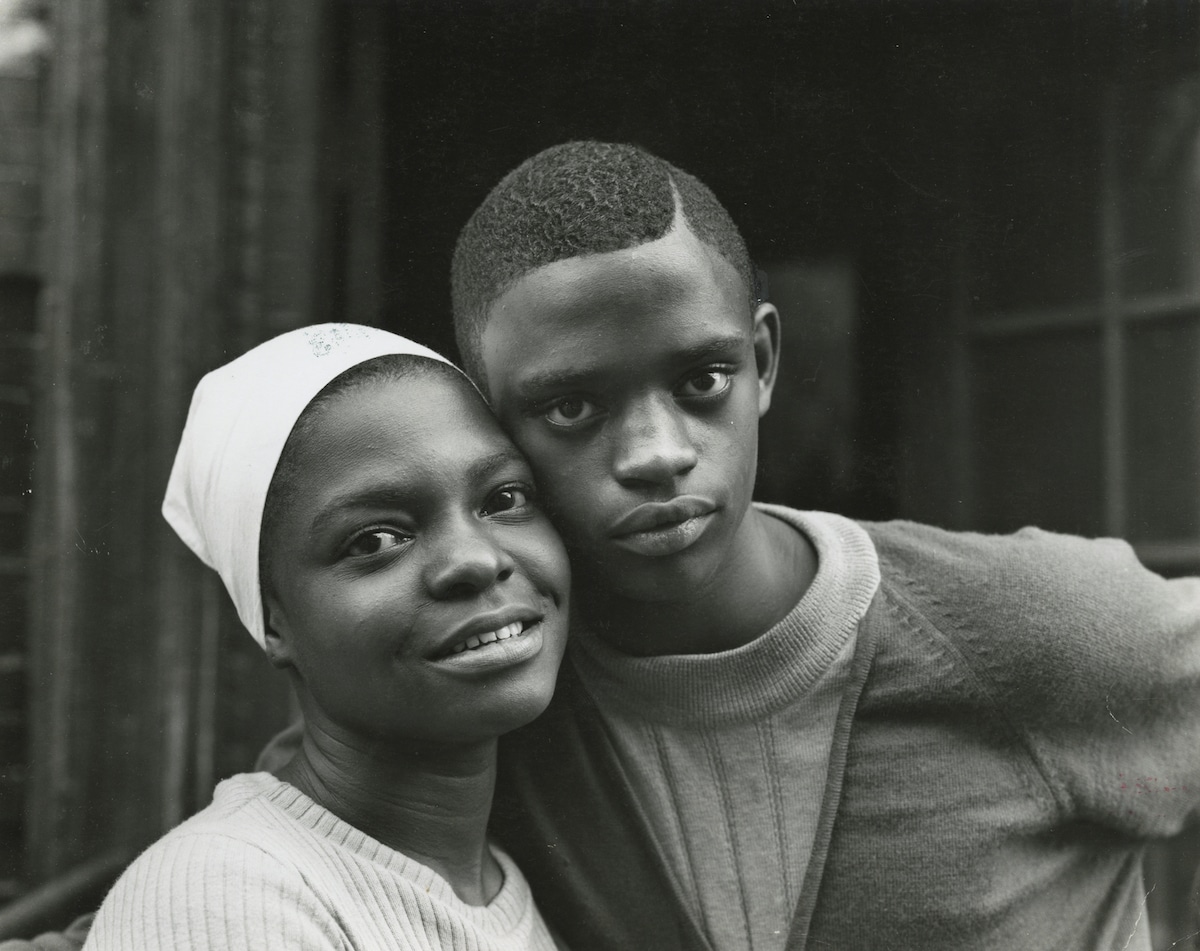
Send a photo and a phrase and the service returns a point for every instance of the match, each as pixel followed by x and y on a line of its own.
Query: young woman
pixel 379 536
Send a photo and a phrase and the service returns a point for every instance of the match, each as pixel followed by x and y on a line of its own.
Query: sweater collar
pixel 771 671
pixel 502 916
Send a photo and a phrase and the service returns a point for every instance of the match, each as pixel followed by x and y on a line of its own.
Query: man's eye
pixel 706 383
pixel 570 411
pixel 506 499
pixel 374 541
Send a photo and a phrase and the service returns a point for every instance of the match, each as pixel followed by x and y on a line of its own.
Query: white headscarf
pixel 241 416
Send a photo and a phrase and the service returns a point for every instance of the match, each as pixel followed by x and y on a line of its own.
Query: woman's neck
pixel 430 803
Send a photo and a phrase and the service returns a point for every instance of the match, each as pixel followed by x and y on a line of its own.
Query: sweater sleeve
pixel 70 940
pixel 1090 657
pixel 210 892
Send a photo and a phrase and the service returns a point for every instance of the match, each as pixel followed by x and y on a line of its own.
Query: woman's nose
pixel 467 560
pixel 653 444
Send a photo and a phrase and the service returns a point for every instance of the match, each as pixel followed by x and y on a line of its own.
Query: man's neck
pixel 431 804
pixel 765 576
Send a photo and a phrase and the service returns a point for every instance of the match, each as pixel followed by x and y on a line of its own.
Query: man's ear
pixel 278 633
pixel 766 352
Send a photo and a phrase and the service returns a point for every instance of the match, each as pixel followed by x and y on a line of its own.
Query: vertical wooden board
pixel 14 609
pixel 194 139
pixel 74 190
pixel 357 182
pixel 18 245
pixel 19 100
pixel 20 147
pixel 14 533
pixel 115 358
pixel 19 197
pixel 294 278
pixel 15 448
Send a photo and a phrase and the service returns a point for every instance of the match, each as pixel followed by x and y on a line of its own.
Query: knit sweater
pixel 264 867
pixel 732 780
pixel 1021 716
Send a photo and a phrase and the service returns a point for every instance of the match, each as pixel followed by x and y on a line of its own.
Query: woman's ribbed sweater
pixel 264 867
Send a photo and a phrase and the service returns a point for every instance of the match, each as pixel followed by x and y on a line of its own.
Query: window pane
pixel 1160 186
pixel 1033 223
pixel 806 443
pixel 1163 425
pixel 1037 439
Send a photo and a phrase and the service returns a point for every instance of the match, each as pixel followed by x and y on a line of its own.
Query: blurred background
pixel 980 220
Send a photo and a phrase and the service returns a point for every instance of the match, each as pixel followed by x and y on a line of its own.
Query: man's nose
pixel 466 559
pixel 653 443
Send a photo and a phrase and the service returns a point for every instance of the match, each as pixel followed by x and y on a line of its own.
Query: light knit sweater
pixel 1021 715
pixel 264 867
pixel 732 780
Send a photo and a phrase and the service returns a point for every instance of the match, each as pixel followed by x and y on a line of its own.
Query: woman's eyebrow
pixel 384 496
pixel 487 466
pixel 392 495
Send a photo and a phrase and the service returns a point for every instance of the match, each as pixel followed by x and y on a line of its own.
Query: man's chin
pixel 652 581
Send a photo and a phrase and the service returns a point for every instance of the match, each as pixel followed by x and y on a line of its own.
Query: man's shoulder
pixel 969 551
pixel 1035 607
pixel 1027 569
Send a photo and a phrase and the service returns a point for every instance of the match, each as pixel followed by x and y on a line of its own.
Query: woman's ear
pixel 766 352
pixel 278 633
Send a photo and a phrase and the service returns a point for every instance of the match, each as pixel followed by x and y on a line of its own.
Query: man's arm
pixel 1089 656
pixel 70 940
pixel 281 748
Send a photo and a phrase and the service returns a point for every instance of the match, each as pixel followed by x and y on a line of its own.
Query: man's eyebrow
pixel 721 346
pixel 558 380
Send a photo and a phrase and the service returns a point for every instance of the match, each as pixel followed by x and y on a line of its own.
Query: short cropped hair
pixel 570 200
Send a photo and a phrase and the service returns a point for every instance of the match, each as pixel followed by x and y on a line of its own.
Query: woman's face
pixel 414 586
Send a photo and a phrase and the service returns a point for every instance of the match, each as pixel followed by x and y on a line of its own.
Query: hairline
pixel 479 317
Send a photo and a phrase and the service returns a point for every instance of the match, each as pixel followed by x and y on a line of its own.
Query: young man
pixel 780 729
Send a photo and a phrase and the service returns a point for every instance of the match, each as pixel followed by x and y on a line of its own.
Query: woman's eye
pixel 506 499
pixel 706 383
pixel 570 411
pixel 373 542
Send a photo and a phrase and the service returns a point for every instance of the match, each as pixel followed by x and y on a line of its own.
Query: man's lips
pixel 658 529
pixel 657 516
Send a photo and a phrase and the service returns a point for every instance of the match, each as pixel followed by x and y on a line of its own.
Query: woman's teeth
pixel 476 641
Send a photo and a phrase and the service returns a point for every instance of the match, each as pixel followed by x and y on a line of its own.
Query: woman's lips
pixel 497 654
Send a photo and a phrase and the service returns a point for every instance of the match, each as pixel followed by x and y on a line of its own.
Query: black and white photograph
pixel 599 475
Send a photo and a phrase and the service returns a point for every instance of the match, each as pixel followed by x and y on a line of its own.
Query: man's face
pixel 631 380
